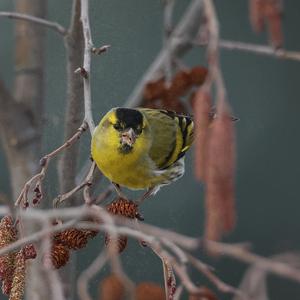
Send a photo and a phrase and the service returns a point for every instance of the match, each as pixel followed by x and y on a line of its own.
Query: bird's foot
pixel 119 191
pixel 150 192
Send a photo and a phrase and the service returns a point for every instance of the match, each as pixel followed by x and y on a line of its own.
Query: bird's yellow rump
pixel 142 148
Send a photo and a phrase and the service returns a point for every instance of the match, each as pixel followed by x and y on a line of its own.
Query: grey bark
pixel 29 91
pixel 67 166
pixel 74 100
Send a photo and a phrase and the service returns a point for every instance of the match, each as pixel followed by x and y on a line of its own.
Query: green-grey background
pixel 264 93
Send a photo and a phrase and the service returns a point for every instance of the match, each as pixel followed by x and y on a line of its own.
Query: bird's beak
pixel 128 137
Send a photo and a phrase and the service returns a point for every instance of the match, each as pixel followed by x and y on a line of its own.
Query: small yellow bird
pixel 142 148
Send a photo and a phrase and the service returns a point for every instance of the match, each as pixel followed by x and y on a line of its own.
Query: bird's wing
pixel 172 135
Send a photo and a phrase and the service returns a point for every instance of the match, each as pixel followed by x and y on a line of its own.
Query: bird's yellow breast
pixel 133 169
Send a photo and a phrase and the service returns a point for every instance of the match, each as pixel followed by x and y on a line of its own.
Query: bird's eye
pixel 117 126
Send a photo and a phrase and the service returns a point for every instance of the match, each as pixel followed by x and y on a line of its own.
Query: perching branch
pixel 88 45
pixel 85 184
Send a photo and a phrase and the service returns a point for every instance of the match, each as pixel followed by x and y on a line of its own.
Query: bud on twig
pixel 101 49
pixel 82 72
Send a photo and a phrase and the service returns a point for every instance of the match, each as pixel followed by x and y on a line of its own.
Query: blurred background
pixel 263 91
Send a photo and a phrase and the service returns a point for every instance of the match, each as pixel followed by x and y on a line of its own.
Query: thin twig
pixel 255 49
pixel 260 49
pixel 86 190
pixel 52 25
pixel 44 162
pixel 89 273
pixel 205 269
pixel 240 253
pixel 112 251
pixel 214 71
pixel 88 45
pixel 221 285
pixel 169 276
pixel 167 21
pixel 86 183
pixel 180 39
pixel 52 275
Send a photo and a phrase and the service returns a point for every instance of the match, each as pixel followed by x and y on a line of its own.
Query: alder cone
pixel 58 256
pixel 123 207
pixel 72 238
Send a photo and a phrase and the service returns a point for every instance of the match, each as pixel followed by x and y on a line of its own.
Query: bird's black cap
pixel 131 118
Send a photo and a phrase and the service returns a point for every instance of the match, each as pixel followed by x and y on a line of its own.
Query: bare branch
pixel 52 25
pixel 152 235
pixel 89 273
pixel 260 49
pixel 255 49
pixel 214 72
pixel 44 163
pixel 88 45
pixel 222 286
pixel 240 253
pixel 167 21
pixel 179 44
pixel 55 282
pixel 67 166
pixel 86 190
pixel 85 184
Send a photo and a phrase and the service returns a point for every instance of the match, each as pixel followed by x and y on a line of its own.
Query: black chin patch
pixel 132 118
pixel 125 148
